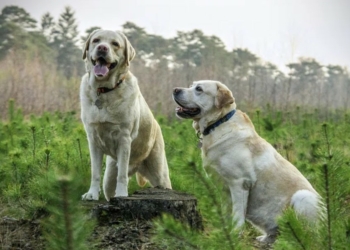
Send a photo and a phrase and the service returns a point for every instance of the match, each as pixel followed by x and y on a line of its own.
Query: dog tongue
pixel 100 70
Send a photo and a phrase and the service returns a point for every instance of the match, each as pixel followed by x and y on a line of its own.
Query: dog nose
pixel 176 91
pixel 102 48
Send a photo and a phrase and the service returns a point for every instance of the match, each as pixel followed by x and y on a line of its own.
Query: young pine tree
pixel 67 226
pixel 332 230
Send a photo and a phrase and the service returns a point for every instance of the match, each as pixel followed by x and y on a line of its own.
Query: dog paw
pixel 266 238
pixel 121 194
pixel 261 238
pixel 121 191
pixel 89 196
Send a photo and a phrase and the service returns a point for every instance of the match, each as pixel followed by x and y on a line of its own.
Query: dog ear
pixel 129 51
pixel 223 97
pixel 87 43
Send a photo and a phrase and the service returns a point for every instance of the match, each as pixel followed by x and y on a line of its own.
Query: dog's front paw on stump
pixel 121 191
pixel 89 196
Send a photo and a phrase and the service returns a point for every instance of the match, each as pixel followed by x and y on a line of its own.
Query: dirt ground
pixel 124 235
pixel 23 234
pixel 122 224
pixel 20 234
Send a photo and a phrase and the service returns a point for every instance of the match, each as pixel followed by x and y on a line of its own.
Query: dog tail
pixel 141 180
pixel 307 204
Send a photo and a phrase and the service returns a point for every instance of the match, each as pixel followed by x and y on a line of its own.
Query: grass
pixel 34 149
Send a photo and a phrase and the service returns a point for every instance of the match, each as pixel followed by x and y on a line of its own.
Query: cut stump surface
pixel 149 203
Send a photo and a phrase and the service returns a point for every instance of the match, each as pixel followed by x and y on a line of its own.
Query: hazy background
pixel 272 54
pixel 278 31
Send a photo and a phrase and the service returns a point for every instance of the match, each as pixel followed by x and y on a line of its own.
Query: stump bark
pixel 148 204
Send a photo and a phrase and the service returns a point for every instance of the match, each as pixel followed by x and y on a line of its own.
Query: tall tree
pixel 137 36
pixel 243 62
pixel 47 26
pixel 15 25
pixel 152 49
pixel 65 42
pixel 188 47
pixel 17 15
pixel 337 83
pixel 307 75
pixel 214 54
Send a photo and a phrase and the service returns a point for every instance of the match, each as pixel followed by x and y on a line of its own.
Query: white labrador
pixel 117 119
pixel 262 183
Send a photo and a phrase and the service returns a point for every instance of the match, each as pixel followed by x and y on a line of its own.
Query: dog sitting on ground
pixel 262 183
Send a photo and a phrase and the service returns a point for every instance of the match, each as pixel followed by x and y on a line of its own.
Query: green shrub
pixel 37 151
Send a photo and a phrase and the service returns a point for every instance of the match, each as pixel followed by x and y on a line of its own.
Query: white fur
pixel 124 128
pixel 306 203
pixel 262 183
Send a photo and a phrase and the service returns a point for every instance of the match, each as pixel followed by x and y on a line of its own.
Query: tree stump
pixel 146 204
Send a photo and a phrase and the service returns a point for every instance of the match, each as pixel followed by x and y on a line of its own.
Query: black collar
pixel 104 90
pixel 212 127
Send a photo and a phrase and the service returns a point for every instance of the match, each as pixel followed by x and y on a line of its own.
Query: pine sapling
pixel 67 227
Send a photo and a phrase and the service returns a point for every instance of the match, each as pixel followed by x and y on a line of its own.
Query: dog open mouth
pixel 102 67
pixel 186 111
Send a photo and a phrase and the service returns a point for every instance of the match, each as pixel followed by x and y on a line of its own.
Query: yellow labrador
pixel 117 119
pixel 262 183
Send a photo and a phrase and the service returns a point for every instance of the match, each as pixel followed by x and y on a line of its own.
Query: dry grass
pixel 36 86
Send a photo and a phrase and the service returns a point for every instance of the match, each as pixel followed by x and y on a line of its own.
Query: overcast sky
pixel 278 31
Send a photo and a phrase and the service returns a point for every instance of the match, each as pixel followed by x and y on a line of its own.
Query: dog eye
pixel 96 40
pixel 115 44
pixel 199 89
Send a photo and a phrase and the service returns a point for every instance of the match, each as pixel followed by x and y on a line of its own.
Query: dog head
pixel 203 99
pixel 107 51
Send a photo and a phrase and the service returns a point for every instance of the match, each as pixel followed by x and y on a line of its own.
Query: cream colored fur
pixel 123 128
pixel 262 183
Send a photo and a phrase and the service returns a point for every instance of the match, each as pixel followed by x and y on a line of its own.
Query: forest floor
pixel 124 235
pixel 25 234
pixel 123 223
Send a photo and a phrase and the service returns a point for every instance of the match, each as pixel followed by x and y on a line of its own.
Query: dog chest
pixel 115 114
pixel 109 136
pixel 106 136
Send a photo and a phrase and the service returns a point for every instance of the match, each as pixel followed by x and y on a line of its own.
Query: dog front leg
pixel 239 196
pixel 96 156
pixel 123 155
